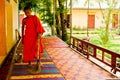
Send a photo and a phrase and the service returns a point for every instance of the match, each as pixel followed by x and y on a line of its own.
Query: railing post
pixel 73 42
pixel 87 46
pixel 113 63
pixel 103 56
pixel 78 45
pixel 94 52
pixel 82 46
pixel 70 41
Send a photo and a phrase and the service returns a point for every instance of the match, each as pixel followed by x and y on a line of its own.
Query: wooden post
pixel 94 52
pixel 70 21
pixel 87 18
pixel 113 62
pixel 70 17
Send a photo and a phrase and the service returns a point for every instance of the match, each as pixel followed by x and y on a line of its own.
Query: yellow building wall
pixel 9 28
pixel 8 25
pixel 11 23
pixel 15 19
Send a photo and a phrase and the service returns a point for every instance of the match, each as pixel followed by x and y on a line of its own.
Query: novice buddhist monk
pixel 32 31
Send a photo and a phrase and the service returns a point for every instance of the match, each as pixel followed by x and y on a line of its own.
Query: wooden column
pixel 2 29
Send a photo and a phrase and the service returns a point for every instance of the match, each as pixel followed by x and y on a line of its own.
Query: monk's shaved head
pixel 27 11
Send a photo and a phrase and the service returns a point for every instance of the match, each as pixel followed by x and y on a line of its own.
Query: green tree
pixel 30 3
pixel 46 14
pixel 111 6
pixel 64 29
pixel 57 19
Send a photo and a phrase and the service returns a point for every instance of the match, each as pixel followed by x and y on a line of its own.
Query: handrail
pixel 13 57
pixel 96 52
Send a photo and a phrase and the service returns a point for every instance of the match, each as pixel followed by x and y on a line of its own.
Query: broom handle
pixel 39 39
pixel 38 49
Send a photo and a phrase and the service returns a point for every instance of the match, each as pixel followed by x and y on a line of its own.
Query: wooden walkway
pixel 72 65
pixel 61 63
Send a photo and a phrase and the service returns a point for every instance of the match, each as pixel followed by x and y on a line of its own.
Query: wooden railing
pixel 105 56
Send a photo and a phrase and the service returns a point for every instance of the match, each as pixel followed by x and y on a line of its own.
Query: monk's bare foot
pixel 35 70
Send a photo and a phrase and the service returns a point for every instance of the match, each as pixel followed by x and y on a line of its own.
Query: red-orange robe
pixel 31 26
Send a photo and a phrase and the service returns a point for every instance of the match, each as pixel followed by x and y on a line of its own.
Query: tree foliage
pixel 62 18
pixel 30 3
pixel 45 10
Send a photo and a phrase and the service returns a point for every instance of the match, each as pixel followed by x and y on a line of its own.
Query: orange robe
pixel 31 26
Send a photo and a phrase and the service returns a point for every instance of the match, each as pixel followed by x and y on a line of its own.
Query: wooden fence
pixel 105 56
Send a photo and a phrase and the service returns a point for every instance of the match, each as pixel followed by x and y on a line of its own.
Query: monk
pixel 32 32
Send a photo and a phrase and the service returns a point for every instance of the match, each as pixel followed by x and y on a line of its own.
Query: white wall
pixel 99 22
pixel 79 18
